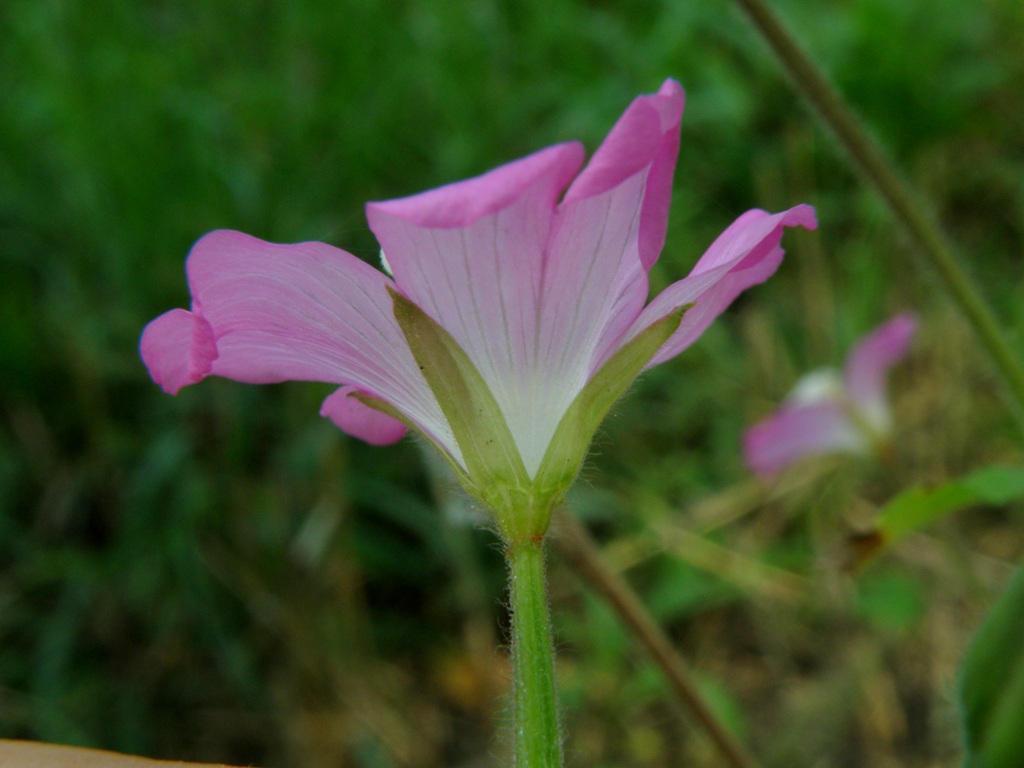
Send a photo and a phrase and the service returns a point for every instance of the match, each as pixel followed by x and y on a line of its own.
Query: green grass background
pixel 224 576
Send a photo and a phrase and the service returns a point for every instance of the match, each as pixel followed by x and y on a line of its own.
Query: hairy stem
pixel 537 737
pixel 881 173
pixel 582 554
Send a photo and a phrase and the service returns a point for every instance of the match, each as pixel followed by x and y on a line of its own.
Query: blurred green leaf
pixel 992 685
pixel 917 507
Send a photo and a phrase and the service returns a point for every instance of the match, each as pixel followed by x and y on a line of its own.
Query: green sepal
pixel 992 684
pixel 571 441
pixel 494 470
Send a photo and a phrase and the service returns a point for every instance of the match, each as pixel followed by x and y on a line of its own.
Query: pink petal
pixel 610 230
pixel 645 138
pixel 307 312
pixel 797 431
pixel 528 304
pixel 745 254
pixel 360 420
pixel 178 349
pixel 470 254
pixel 541 176
pixel 868 364
pixel 531 296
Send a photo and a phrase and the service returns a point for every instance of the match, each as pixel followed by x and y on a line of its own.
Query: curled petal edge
pixel 348 411
pixel 178 349
pixel 746 254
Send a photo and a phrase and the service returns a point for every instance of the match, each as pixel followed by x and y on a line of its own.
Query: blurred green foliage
pixel 992 684
pixel 223 576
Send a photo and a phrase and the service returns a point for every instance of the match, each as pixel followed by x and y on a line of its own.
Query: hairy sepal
pixel 572 438
pixel 494 472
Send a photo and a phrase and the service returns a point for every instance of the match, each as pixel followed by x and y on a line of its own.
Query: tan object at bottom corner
pixel 31 754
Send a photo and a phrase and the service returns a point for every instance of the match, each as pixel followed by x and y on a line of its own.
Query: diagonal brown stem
pixel 579 550
pixel 881 173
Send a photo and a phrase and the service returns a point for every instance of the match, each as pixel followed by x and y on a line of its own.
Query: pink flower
pixel 831 412
pixel 513 314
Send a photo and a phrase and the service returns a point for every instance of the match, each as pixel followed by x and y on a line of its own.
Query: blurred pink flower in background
pixel 537 271
pixel 829 411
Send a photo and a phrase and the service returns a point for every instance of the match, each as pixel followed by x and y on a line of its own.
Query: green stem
pixel 880 172
pixel 537 738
